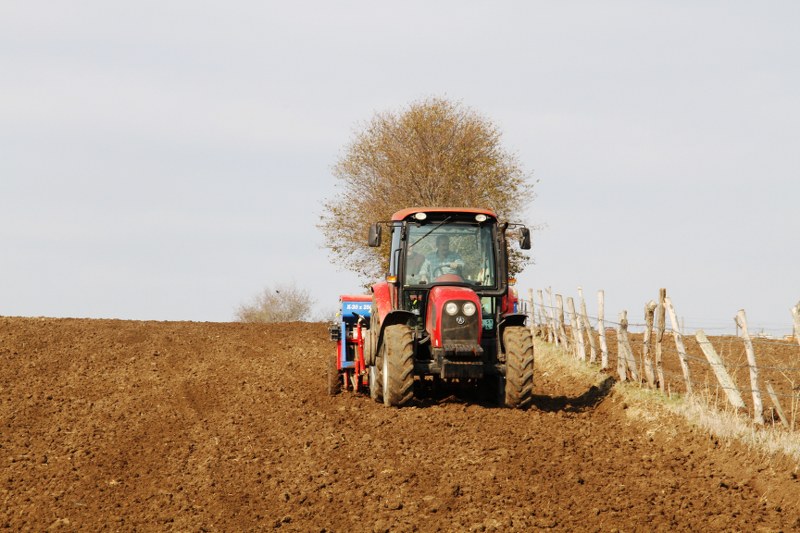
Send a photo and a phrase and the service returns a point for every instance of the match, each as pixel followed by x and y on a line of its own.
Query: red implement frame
pixel 359 364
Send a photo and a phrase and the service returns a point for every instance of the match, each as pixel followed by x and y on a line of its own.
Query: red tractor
pixel 444 311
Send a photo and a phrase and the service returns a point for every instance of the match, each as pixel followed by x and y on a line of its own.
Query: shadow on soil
pixel 426 396
pixel 588 400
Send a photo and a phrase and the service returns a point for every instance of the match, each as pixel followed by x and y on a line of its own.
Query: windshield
pixel 450 252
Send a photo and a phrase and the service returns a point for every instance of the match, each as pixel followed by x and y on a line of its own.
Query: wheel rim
pixel 385 379
pixel 373 377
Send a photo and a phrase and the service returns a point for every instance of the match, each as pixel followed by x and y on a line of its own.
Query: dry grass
pixel 698 410
pixel 727 424
pixel 549 356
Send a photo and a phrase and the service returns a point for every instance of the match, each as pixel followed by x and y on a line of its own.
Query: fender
pixel 381 307
pixel 509 319
pixel 383 297
pixel 385 315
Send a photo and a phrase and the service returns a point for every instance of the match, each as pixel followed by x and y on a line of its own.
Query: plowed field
pixel 121 425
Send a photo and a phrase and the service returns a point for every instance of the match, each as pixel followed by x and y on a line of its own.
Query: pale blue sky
pixel 167 160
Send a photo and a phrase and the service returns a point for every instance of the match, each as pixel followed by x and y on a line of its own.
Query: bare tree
pixel 281 303
pixel 435 153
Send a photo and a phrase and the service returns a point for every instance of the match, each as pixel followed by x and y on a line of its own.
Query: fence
pixel 728 369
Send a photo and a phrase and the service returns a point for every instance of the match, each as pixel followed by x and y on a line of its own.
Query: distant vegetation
pixel 281 303
pixel 434 153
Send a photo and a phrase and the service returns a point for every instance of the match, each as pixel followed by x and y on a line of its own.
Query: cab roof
pixel 405 213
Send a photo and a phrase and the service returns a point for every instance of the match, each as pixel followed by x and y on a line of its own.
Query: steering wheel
pixel 439 270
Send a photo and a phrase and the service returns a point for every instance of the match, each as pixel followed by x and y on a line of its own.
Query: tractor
pixel 445 312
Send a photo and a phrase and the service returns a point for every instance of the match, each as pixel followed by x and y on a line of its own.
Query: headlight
pixel 469 309
pixel 451 308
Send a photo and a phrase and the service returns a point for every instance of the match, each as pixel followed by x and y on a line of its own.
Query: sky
pixel 170 160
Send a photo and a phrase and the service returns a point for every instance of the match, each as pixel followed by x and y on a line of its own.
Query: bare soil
pixel 109 424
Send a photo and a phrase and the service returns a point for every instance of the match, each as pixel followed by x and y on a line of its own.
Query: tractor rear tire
pixel 519 367
pixel 334 378
pixel 376 380
pixel 397 353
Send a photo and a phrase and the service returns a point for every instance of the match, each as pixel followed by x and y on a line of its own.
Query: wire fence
pixel 750 373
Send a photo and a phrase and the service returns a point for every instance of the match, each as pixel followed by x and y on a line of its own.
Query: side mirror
pixel 524 238
pixel 374 235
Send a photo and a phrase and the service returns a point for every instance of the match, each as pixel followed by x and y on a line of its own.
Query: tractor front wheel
pixel 397 353
pixel 519 367
pixel 376 380
pixel 334 378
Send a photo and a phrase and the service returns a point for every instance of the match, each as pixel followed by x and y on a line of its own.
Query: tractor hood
pixel 453 316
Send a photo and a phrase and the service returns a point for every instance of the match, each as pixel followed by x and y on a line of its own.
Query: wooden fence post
pixel 575 328
pixel 532 314
pixel 542 322
pixel 725 381
pixel 758 408
pixel 545 316
pixel 601 329
pixel 660 320
pixel 796 316
pixel 622 359
pixel 624 349
pixel 673 319
pixel 562 331
pixel 777 403
pixel 552 315
pixel 542 325
pixel 649 311
pixel 587 328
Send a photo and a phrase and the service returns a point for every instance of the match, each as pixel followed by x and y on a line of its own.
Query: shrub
pixel 281 303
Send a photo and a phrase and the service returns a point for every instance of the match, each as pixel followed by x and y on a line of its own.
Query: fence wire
pixel 552 310
pixel 777 356
pixel 717 385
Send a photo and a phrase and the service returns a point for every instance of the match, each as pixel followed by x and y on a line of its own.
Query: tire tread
pixel 398 348
pixel 519 367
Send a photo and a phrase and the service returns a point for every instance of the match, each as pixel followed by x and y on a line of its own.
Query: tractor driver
pixel 414 262
pixel 442 261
